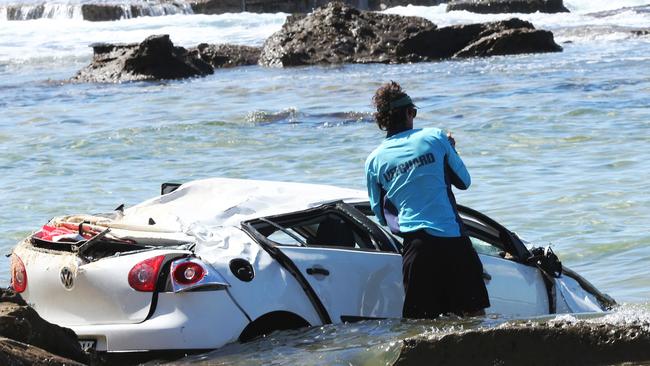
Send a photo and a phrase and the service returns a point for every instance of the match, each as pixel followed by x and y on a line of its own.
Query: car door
pixel 515 288
pixel 348 265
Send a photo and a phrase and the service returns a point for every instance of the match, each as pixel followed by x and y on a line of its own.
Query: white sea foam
pixel 22 41
pixel 62 37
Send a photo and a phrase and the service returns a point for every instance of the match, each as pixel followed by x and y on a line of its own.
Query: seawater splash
pixel 579 339
pixel 81 10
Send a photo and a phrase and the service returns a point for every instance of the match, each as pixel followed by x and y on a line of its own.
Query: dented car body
pixel 219 260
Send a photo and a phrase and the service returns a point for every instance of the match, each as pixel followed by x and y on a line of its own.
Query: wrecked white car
pixel 219 260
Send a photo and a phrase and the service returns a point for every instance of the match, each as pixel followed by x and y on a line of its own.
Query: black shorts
pixel 441 276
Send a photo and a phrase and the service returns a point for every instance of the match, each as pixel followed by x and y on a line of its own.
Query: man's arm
pixel 374 193
pixel 458 173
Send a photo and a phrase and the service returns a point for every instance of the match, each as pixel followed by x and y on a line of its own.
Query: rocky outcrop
pixel 508 6
pixel 20 12
pixel 483 39
pixel 156 58
pixel 334 34
pixel 27 339
pixel 552 343
pixel 338 34
pixel 511 42
pixel 641 32
pixel 98 10
pixel 292 6
pixel 228 55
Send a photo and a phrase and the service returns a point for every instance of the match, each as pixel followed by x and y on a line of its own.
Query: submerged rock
pixel 27 339
pixel 640 9
pixel 508 6
pixel 552 343
pixel 338 34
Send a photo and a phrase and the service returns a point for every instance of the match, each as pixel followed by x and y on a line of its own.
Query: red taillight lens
pixel 188 273
pixel 18 274
pixel 144 275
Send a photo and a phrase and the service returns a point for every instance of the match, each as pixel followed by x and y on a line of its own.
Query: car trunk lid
pixel 68 290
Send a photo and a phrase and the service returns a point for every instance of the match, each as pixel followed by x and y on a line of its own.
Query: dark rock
pixel 216 6
pixel 25 328
pixel 338 34
pixel 508 6
pixel 20 12
pixel 641 32
pixel 293 6
pixel 10 296
pixel 99 12
pixel 102 12
pixel 511 42
pixel 448 42
pixel 156 58
pixel 227 55
pixel 14 353
pixel 552 343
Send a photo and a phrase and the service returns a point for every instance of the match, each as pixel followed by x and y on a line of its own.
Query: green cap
pixel 404 101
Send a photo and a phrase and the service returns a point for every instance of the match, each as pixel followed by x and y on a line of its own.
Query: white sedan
pixel 220 260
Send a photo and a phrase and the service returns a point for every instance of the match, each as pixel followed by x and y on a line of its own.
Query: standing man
pixel 409 177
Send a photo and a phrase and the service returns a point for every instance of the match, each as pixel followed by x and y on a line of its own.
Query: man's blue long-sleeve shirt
pixel 413 171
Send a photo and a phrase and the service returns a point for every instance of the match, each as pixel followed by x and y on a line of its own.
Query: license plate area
pixel 88 344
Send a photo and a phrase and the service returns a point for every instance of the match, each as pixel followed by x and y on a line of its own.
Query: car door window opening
pixel 330 225
pixel 488 237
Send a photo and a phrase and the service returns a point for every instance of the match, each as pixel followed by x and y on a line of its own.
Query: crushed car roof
pixel 228 202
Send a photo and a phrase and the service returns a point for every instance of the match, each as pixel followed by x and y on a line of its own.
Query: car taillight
pixel 18 274
pixel 188 273
pixel 144 275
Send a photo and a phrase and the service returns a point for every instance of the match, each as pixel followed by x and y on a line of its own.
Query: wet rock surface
pixel 551 343
pixel 227 55
pixel 508 6
pixel 99 11
pixel 511 42
pixel 334 34
pixel 156 58
pixel 338 34
pixel 291 6
pixel 27 339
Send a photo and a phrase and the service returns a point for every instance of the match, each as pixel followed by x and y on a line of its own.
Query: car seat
pixel 334 232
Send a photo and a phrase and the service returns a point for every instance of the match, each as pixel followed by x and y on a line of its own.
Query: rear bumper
pixel 191 320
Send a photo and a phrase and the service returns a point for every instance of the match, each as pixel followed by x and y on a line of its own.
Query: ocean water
pixel 558 145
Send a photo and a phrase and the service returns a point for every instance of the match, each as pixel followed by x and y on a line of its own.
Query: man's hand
pixel 451 139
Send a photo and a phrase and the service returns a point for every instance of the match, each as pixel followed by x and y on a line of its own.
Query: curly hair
pixel 388 118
